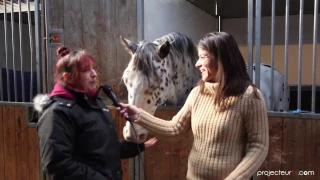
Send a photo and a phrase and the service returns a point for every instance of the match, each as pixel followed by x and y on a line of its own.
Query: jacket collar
pixel 70 93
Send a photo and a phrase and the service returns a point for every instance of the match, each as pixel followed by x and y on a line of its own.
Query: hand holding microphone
pixel 129 112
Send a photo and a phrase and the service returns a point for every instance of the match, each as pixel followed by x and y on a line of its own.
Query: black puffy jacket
pixel 78 139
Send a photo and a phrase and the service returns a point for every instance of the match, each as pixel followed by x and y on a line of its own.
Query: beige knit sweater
pixel 220 137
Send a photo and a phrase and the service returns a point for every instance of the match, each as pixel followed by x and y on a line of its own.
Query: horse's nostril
pixel 142 136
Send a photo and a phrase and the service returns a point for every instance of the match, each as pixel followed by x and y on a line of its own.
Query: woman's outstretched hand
pixel 150 142
pixel 129 110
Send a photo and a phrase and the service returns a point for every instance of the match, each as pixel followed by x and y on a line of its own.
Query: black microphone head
pixel 107 89
pixel 109 92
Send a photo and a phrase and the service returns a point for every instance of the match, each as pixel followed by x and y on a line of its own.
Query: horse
pixel 159 72
pixel 163 71
pixel 280 101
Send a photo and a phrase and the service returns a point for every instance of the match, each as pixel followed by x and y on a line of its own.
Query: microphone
pixel 109 92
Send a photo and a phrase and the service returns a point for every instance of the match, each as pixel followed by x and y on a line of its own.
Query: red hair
pixel 73 63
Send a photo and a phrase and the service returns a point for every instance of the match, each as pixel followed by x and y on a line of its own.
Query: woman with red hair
pixel 77 135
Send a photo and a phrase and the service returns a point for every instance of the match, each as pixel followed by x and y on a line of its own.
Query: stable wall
pixel 164 16
pixel 96 27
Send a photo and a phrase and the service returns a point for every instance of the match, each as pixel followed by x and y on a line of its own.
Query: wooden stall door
pixel 294 147
pixel 19 154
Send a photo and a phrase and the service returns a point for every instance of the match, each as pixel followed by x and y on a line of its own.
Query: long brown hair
pixel 231 76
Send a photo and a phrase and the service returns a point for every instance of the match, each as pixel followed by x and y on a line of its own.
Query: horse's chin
pixel 129 134
pixel 140 139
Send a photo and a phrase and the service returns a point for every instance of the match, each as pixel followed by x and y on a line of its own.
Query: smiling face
pixel 207 64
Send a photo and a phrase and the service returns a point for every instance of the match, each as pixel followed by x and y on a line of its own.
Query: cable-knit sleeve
pixel 257 129
pixel 171 130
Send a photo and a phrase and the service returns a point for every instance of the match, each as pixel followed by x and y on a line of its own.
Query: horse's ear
pixel 164 50
pixel 129 45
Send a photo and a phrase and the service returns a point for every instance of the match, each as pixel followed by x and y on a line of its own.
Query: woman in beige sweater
pixel 225 113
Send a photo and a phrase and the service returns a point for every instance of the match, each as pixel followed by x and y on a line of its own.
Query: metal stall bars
pixel 286 42
pixel 258 42
pixel 6 52
pixel 13 52
pixel 19 79
pixel 273 7
pixel 300 55
pixel 21 48
pixel 314 57
pixel 250 37
pixel 299 111
pixel 217 15
pixel 315 29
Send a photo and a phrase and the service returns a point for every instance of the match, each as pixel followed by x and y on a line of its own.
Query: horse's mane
pixel 181 46
pixel 142 60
